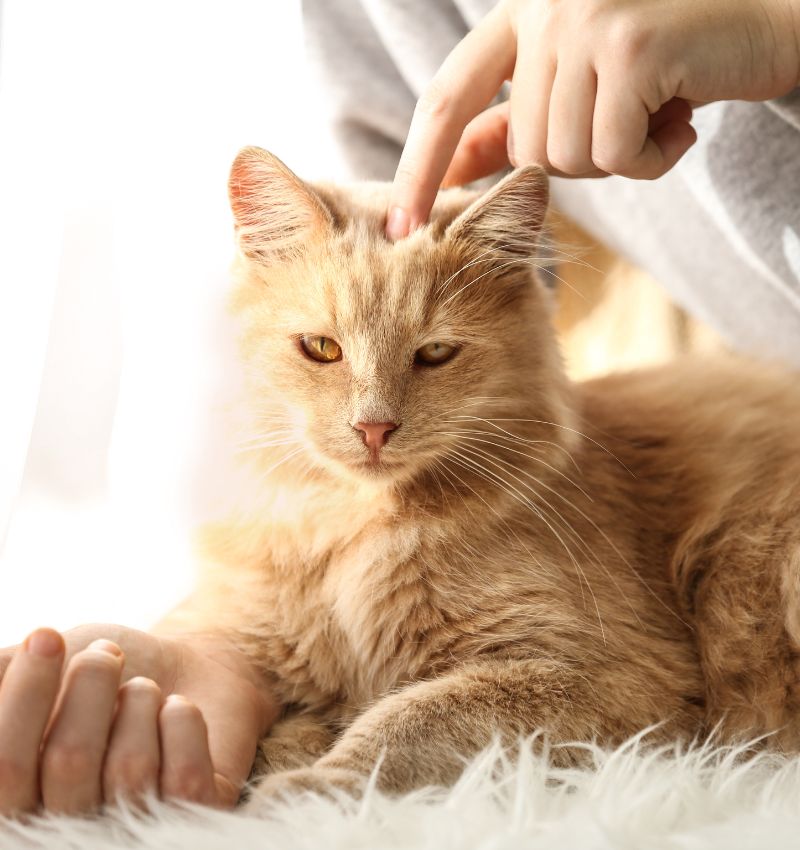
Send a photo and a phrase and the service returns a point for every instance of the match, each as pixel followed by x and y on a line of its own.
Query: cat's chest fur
pixel 357 617
pixel 352 595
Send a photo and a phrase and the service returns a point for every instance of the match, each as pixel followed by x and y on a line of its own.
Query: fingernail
pixel 397 224
pixel 44 642
pixel 105 646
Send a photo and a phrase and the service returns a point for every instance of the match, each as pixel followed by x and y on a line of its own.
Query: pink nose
pixel 375 434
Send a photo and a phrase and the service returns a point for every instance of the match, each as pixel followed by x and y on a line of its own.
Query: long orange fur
pixel 585 559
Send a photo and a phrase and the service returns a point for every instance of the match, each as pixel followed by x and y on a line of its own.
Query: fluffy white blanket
pixel 630 798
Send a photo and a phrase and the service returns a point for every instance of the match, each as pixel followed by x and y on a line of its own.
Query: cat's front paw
pixel 333 782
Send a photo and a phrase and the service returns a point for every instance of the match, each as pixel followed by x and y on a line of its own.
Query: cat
pixel 440 539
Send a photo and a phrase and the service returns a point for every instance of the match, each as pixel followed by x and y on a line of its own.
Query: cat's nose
pixel 375 434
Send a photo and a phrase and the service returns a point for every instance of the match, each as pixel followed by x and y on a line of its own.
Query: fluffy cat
pixel 441 539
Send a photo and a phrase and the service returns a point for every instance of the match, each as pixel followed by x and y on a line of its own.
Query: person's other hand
pixel 598 87
pixel 109 711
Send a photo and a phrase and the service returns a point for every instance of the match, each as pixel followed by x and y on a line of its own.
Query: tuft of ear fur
pixel 509 217
pixel 275 212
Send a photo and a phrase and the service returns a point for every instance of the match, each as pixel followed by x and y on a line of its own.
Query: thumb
pixel 236 721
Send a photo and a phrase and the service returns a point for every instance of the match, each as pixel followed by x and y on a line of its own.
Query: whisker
pixel 493 270
pixel 466 266
pixel 283 460
pixel 442 468
pixel 486 455
pixel 498 481
pixel 492 423
pixel 619 554
pixel 503 521
pixel 465 434
pixel 523 441
pixel 493 420
pixel 473 400
pixel 268 445
pixel 493 478
pixel 263 435
pixel 494 461
pixel 554 253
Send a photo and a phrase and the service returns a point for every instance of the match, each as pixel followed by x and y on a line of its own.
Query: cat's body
pixel 521 553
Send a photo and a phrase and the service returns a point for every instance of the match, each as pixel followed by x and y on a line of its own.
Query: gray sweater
pixel 721 231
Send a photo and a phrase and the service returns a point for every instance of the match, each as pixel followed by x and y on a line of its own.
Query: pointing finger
pixel 467 81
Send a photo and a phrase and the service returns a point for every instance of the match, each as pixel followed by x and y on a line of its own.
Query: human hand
pixel 189 714
pixel 598 87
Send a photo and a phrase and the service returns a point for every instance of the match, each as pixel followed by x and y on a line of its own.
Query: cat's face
pixel 371 359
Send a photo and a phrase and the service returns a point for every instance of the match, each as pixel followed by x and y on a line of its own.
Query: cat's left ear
pixel 275 212
pixel 509 217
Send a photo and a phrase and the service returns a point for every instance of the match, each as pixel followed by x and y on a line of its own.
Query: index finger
pixel 468 79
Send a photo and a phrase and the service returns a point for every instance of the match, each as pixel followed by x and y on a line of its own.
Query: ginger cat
pixel 441 539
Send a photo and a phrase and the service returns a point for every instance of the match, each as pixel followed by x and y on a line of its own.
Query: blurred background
pixel 118 123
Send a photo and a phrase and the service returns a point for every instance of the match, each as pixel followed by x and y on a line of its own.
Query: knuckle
pixel 436 102
pixel 629 38
pixel 177 703
pixel 615 162
pixel 94 664
pixel 130 771
pixel 142 685
pixel 186 780
pixel 407 174
pixel 524 145
pixel 68 761
pixel 649 174
pixel 568 162
pixel 611 163
pixel 522 155
pixel 548 16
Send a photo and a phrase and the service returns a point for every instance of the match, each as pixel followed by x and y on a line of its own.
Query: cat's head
pixel 378 360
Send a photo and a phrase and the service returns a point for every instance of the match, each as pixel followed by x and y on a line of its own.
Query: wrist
pixel 192 648
pixel 216 647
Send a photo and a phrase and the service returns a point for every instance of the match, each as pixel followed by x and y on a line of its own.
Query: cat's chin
pixel 378 469
pixel 383 471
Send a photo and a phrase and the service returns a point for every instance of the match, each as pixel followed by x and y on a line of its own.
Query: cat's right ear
pixel 275 212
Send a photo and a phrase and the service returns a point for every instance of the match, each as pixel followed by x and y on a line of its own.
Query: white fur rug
pixel 629 799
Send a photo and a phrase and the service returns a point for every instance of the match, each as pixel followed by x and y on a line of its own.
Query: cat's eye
pixel 320 348
pixel 434 353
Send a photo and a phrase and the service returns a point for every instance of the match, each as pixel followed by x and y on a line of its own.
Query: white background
pixel 118 123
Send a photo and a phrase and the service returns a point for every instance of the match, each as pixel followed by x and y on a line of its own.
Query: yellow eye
pixel 434 353
pixel 320 348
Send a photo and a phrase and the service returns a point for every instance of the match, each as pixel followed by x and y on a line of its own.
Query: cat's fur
pixel 583 559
